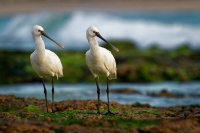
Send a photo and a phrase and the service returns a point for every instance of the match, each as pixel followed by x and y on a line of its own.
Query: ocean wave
pixel 70 30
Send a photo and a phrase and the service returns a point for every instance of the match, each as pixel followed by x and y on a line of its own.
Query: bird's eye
pixel 39 30
pixel 94 32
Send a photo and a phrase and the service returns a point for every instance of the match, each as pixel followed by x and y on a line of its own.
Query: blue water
pixel 166 29
pixel 190 92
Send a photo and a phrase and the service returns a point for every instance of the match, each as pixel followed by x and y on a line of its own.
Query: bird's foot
pixel 98 112
pixel 109 113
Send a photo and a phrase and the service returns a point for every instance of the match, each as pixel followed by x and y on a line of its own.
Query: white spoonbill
pixel 100 61
pixel 45 62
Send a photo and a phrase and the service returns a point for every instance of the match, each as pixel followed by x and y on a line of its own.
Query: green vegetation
pixel 8 109
pixel 31 108
pixel 134 65
pixel 80 117
pixel 153 112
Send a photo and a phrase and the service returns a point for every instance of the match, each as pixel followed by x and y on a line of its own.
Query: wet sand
pixel 21 6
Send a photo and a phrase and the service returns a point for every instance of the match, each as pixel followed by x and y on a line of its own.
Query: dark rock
pixel 125 91
pixel 163 93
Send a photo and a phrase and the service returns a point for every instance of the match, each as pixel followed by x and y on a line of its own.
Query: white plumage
pixel 100 61
pixel 45 62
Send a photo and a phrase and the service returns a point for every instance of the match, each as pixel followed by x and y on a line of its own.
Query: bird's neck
pixel 39 47
pixel 39 44
pixel 94 46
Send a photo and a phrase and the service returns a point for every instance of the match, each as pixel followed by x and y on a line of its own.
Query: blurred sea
pixel 166 29
pixel 189 93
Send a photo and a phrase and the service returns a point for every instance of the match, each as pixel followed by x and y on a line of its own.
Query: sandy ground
pixel 22 6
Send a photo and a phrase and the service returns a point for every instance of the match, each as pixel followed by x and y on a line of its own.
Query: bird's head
pixel 38 31
pixel 92 31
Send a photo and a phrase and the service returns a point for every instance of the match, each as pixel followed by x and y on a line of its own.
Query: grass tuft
pixel 153 112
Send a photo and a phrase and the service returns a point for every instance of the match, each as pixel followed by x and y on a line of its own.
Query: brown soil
pixel 170 119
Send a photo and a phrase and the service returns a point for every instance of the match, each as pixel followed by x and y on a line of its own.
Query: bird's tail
pixel 112 76
pixel 58 75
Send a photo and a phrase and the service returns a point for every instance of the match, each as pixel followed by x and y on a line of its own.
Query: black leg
pixel 98 92
pixel 45 92
pixel 109 112
pixel 52 95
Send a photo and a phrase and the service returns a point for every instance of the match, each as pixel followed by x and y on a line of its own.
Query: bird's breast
pixel 96 65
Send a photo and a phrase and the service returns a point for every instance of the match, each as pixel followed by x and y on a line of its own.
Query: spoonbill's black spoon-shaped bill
pixel 45 62
pixel 100 61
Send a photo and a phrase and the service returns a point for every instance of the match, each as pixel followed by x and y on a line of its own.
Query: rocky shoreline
pixel 28 115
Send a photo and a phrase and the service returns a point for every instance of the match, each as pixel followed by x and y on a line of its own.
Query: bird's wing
pixel 109 63
pixel 54 63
